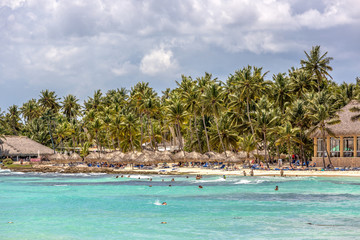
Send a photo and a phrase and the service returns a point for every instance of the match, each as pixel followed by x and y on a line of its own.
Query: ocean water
pixel 86 206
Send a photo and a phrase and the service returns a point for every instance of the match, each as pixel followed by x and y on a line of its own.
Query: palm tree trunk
pixel 251 126
pixel 148 132
pixel 142 132
pixel 177 127
pixel 131 141
pixel 206 135
pixel 265 146
pixel 222 144
pixel 197 133
pixel 191 133
pixel 152 132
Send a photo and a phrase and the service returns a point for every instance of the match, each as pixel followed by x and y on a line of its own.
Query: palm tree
pixel 30 110
pixel 322 113
pixel 202 84
pixel 130 128
pixel 71 108
pixel 317 64
pixel 13 119
pixel 247 144
pixel 266 120
pixel 288 136
pixel 212 102
pixel 250 83
pixel 95 127
pixel 301 82
pixel 281 91
pixel 177 114
pixel 297 115
pixel 49 100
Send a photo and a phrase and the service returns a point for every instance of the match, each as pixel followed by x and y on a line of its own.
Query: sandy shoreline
pixel 187 171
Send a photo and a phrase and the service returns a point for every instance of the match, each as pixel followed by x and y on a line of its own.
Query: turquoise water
pixel 84 206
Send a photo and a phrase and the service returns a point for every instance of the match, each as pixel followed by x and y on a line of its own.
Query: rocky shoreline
pixel 69 169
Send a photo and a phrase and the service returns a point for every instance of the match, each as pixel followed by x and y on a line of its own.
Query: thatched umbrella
pixel 145 159
pixel 216 157
pixel 130 157
pixel 75 157
pixel 56 156
pixel 230 153
pixel 59 158
pixel 233 159
pixel 164 158
pixel 195 156
pixel 180 156
pixel 94 156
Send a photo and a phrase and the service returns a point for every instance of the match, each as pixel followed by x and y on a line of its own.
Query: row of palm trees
pixel 248 111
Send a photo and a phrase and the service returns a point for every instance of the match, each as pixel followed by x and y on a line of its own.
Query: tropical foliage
pixel 248 111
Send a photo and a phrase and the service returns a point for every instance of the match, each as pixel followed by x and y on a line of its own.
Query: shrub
pixel 7 161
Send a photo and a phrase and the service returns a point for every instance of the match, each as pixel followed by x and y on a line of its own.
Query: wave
pixel 210 181
pixel 157 203
pixel 245 181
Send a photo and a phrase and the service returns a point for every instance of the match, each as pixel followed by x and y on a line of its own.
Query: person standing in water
pixel 276 188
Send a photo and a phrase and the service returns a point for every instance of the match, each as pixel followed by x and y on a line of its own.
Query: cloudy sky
pixel 78 46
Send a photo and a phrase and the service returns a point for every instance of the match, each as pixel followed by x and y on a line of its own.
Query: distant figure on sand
pixel 244 173
pixel 251 172
pixel 281 172
pixel 276 188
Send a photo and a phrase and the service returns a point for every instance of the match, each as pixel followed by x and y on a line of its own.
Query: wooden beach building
pixel 20 147
pixel 344 148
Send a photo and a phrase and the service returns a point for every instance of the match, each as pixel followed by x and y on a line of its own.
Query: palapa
pixel 75 157
pixel 145 159
pixel 233 159
pixel 180 156
pixel 95 156
pixel 230 153
pixel 56 157
pixel 216 157
pixel 195 156
pixel 164 157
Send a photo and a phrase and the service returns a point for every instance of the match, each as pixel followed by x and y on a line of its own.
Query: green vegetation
pixel 249 110
pixel 7 161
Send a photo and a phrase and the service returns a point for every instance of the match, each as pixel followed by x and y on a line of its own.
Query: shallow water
pixel 100 206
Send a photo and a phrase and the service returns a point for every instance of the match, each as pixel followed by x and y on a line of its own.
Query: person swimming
pixel 173 180
pixel 200 186
pixel 276 188
pixel 117 176
pixel 164 203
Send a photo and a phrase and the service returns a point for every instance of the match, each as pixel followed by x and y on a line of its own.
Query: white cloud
pixel 157 61
pixel 124 69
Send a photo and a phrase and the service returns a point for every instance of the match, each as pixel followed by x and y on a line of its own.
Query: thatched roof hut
pixel 165 157
pixel 215 157
pixel 230 153
pixel 20 146
pixel 195 156
pixel 346 127
pixel 233 159
pixel 180 156
pixel 130 157
pixel 145 159
pixel 94 156
pixel 57 157
pixel 75 157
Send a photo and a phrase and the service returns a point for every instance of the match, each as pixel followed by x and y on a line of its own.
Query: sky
pixel 79 46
